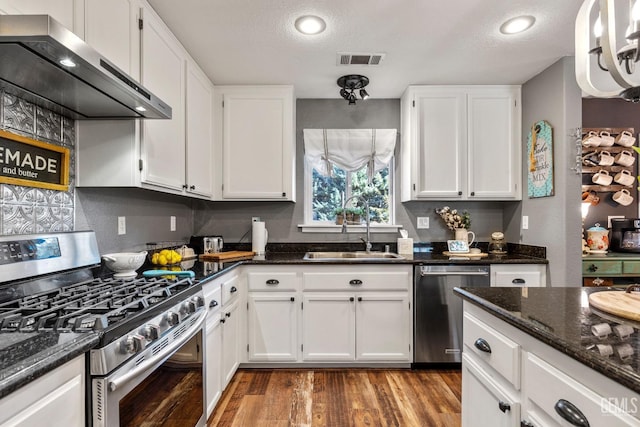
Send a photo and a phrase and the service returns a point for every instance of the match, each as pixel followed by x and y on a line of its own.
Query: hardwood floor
pixel 340 398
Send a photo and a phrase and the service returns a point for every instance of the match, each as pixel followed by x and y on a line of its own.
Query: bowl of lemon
pixel 165 257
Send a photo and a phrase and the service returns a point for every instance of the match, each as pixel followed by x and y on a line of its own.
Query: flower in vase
pixel 454 219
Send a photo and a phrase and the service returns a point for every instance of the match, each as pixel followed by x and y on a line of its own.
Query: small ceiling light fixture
pixel 349 84
pixel 67 62
pixel 606 60
pixel 517 24
pixel 310 24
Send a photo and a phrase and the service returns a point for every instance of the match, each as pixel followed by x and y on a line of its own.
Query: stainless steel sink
pixel 351 256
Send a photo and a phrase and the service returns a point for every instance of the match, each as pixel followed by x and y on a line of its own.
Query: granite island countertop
pixel 537 312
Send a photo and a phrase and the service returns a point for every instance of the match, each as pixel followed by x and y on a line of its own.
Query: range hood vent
pixel 345 58
pixel 31 48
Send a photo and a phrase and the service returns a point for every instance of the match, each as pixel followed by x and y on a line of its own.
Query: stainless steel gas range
pixel 148 366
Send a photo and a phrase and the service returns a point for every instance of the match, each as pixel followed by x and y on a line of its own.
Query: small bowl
pixel 124 264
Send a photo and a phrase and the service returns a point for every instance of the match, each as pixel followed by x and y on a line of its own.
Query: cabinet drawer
pixel 494 348
pixel 230 289
pixel 356 280
pixel 518 275
pixel 547 388
pixel 631 267
pixel 213 299
pixel 602 267
pixel 277 281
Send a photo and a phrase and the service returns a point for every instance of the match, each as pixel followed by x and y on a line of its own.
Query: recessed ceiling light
pixel 310 24
pixel 67 62
pixel 517 24
pixel 141 108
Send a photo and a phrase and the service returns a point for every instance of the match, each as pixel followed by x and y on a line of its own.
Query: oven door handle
pixel 121 380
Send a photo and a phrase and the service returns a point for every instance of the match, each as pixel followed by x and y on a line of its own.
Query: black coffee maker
pixel 625 235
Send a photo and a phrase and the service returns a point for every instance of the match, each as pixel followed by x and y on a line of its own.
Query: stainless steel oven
pixel 162 386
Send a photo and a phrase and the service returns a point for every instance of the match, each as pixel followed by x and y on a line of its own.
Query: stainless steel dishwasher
pixel 437 336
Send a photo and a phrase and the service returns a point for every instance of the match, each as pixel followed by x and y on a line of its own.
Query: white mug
pixel 464 235
pixel 624 177
pixel 591 140
pixel 601 330
pixel 623 197
pixel 606 140
pixel 602 178
pixel 625 158
pixel 625 138
pixel 605 159
pixel 605 350
pixel 623 331
pixel 624 352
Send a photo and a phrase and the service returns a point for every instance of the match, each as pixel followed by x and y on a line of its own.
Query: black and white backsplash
pixel 26 210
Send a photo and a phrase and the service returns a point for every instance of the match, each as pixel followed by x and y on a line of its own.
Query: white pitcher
pixel 464 235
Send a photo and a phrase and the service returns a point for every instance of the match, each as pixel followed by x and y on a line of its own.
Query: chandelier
pixel 607 34
pixel 349 84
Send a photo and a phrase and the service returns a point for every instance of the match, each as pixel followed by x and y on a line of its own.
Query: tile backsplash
pixel 25 210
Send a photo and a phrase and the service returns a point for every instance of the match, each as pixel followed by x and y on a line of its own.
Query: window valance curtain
pixel 349 149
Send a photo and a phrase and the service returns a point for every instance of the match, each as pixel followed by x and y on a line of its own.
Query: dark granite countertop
pixel 536 312
pixel 27 356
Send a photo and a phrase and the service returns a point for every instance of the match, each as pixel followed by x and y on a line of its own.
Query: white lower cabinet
pixel 213 370
pixel 509 378
pixel 487 403
pixel 230 341
pixel 328 327
pixel 55 399
pixel 272 326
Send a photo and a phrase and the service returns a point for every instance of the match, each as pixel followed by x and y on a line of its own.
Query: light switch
pixel 525 222
pixel 423 222
pixel 172 221
pixel 122 225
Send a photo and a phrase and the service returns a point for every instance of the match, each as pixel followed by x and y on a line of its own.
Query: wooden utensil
pixel 621 304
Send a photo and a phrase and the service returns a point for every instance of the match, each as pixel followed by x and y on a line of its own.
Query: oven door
pixel 163 386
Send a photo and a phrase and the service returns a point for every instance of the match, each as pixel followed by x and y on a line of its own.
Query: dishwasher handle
pixel 454 273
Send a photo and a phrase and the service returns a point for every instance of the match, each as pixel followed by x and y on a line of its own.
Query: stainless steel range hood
pixel 31 50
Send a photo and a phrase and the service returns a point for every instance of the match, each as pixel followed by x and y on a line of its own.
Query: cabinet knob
pixel 193 187
pixel 351 299
pixel 592 268
pixel 459 193
pixel 272 282
pixel 359 298
pixel 482 345
pixel 571 413
pixel 184 186
pixel 504 406
pixel 355 282
pixel 473 193
pixel 213 303
pixel 293 299
pixel 228 314
pixel 233 289
pixel 222 320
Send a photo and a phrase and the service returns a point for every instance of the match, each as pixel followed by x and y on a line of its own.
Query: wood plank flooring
pixel 340 398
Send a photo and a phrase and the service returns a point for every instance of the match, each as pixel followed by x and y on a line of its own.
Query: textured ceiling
pixel 425 41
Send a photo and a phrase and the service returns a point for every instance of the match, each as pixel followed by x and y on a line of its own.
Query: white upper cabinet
pixel 257 142
pixel 461 143
pixel 175 155
pixel 67 12
pixel 163 73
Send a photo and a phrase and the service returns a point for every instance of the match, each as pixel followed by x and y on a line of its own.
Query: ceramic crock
pixel 598 238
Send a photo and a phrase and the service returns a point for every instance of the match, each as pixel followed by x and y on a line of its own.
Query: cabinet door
pixel 257 145
pixel 484 401
pixel 383 327
pixel 493 141
pixel 532 275
pixel 273 327
pixel 440 137
pixel 65 12
pixel 112 29
pixel 163 73
pixel 199 116
pixel 230 339
pixel 328 327
pixel 213 367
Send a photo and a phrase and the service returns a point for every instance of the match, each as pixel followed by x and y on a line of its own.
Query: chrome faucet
pixel 367 218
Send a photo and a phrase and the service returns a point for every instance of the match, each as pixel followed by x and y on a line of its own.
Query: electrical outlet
pixel 122 225
pixel 172 220
pixel 255 218
pixel 423 222
pixel 525 222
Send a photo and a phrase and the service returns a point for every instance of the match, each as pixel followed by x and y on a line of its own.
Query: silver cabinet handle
pixel 273 282
pixel 355 282
pixel 518 281
pixel 482 345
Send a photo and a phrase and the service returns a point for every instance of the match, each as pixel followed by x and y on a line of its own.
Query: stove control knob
pixel 172 318
pixel 198 300
pixel 132 344
pixel 150 332
pixel 189 307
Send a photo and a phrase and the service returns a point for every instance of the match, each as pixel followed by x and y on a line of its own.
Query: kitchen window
pixel 337 166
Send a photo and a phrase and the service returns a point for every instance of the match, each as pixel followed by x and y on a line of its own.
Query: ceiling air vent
pixel 360 58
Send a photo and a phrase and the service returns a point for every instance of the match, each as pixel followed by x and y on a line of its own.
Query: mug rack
pixel 613 169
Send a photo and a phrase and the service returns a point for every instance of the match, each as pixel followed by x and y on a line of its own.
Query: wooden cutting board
pixel 227 256
pixel 465 254
pixel 617 303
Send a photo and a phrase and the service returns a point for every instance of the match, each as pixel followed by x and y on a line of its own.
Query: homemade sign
pixel 540 155
pixel 25 161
